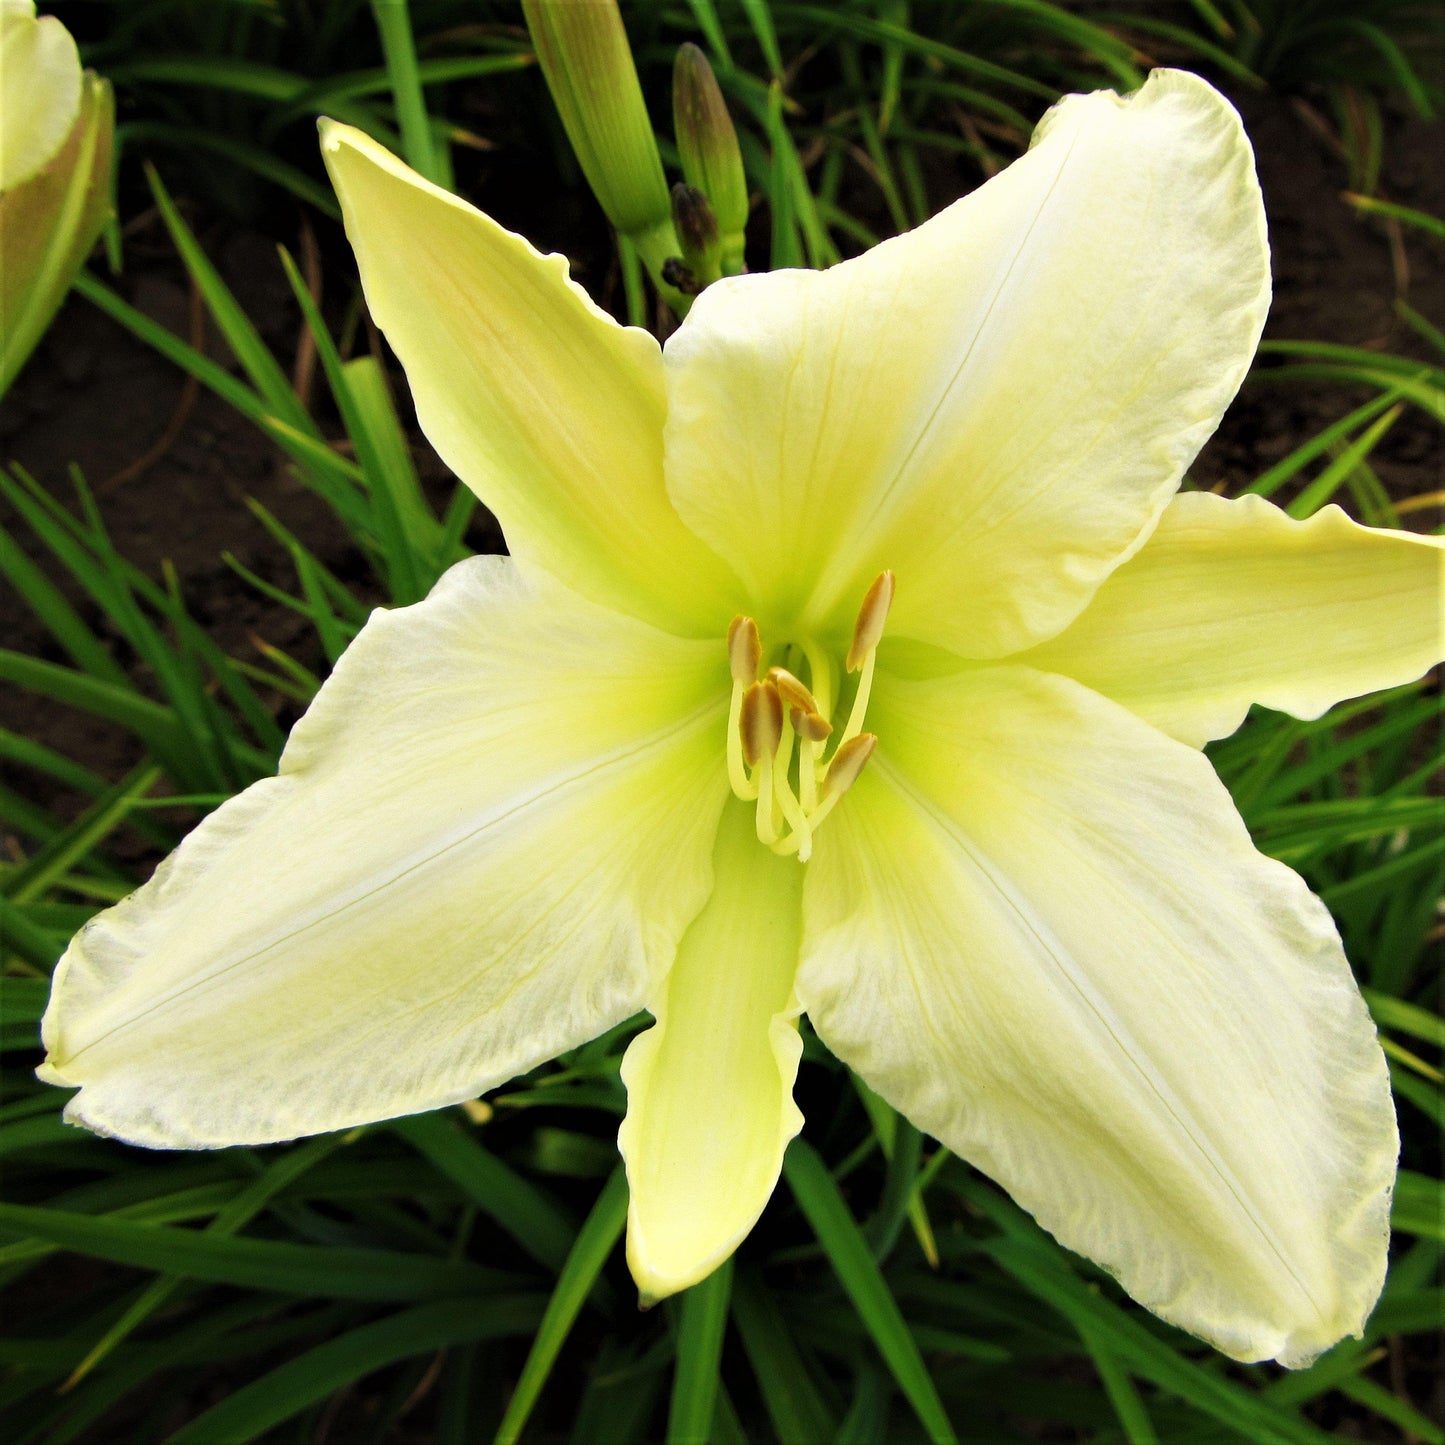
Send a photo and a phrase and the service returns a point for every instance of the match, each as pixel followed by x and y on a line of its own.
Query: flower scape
pixel 853 659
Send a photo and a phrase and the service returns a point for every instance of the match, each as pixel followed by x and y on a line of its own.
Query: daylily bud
pixel 693 217
pixel 56 131
pixel 39 90
pixel 697 230
pixel 708 145
pixel 584 55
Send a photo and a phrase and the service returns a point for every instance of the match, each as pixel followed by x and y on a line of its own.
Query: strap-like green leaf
pixel 818 1197
pixel 595 1241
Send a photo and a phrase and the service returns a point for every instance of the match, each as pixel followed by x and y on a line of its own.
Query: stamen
pixel 771 719
pixel 745 650
pixel 787 802
pixel 812 726
pixel 765 823
pixel 761 723
pixel 738 778
pixel 813 729
pixel 792 690
pixel 762 732
pixel 848 762
pixel 868 630
pixel 860 703
pixel 821 669
pixel 863 651
pixel 843 771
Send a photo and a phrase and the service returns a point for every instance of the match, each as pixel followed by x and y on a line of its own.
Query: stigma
pixel 785 752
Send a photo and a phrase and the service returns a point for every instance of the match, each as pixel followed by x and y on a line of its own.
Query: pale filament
pixel 771 719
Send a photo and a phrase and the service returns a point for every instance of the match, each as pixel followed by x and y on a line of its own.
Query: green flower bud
pixel 708 145
pixel 583 51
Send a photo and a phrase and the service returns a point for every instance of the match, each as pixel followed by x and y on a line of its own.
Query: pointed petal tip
pixel 530 392
pixel 1276 586
pixel 48 1072
pixel 654 1283
pixel 658 1279
pixel 337 138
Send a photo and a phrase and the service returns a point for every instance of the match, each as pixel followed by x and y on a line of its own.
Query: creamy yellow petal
pixel 486 838
pixel 1233 602
pixel 547 408
pixel 39 90
pixel 710 1086
pixel 1038 928
pixel 997 405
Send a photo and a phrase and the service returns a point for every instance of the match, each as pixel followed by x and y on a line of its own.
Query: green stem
pixel 654 246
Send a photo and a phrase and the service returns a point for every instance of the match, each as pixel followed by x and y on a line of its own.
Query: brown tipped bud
pixel 792 690
pixel 708 146
pixel 701 261
pixel 745 650
pixel 761 723
pixel 872 615
pixel 848 762
pixel 812 727
pixel 695 222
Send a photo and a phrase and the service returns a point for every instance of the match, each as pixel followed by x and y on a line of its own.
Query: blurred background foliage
pixel 457 1277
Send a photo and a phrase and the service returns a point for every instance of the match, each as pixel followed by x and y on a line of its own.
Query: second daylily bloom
pixel 881 568
pixel 57 127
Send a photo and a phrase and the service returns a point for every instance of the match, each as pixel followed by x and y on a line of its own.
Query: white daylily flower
pixel 558 791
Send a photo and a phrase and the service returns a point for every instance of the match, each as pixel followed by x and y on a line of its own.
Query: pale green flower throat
pixel 779 726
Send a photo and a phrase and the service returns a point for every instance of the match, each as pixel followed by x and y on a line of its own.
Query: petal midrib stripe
pixel 1136 1059
pixel 617 760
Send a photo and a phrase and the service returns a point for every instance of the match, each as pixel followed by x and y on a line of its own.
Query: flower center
pixel 779 727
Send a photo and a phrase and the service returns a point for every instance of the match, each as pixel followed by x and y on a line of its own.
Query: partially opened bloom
pixel 56 132
pixel 916 513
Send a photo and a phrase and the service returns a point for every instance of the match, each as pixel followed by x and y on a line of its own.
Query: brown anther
pixel 811 726
pixel 868 630
pixel 792 689
pixel 761 723
pixel 745 650
pixel 848 762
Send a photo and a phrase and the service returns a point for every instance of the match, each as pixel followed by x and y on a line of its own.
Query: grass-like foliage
pixel 456 1277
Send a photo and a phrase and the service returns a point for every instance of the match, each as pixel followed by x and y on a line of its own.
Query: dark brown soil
pixel 1336 277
